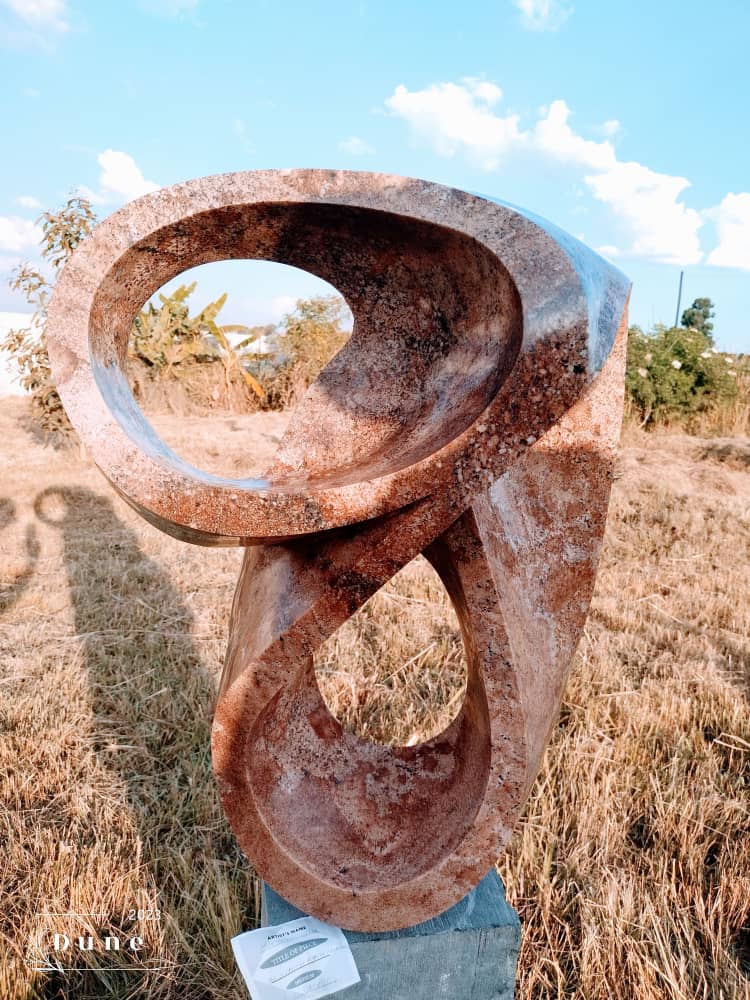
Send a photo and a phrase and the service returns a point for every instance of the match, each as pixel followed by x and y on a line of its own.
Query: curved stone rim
pixel 208 510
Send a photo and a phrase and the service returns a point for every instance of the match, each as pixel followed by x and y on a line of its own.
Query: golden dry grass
pixel 631 870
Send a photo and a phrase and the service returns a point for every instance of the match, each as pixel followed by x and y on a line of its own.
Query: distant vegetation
pixel 675 375
pixel 61 233
pixel 304 342
pixel 166 342
pixel 188 362
pixel 171 343
pixel 173 353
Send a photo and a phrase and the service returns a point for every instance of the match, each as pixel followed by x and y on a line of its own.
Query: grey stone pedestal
pixel 467 953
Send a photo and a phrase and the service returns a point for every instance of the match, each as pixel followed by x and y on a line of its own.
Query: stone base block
pixel 467 953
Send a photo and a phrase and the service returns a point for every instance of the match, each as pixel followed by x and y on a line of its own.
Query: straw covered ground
pixel 631 870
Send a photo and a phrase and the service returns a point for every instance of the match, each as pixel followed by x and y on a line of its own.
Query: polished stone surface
pixel 472 416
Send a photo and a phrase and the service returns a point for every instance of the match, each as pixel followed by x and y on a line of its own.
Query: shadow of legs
pixel 151 706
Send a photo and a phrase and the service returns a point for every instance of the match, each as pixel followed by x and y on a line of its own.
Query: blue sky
pixel 625 124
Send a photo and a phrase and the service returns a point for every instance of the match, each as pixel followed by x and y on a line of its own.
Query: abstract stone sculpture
pixel 472 416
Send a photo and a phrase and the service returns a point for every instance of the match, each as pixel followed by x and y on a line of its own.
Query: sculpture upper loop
pixel 450 293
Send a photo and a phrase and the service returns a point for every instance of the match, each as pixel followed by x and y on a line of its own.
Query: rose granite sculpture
pixel 472 416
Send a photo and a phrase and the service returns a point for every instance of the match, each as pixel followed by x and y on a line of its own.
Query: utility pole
pixel 679 300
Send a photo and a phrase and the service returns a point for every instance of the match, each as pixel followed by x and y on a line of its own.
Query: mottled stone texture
pixel 472 416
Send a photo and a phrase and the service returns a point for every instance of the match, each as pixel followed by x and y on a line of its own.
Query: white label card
pixel 303 958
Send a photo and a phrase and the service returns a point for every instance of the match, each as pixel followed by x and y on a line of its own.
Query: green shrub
pixel 674 374
pixel 304 343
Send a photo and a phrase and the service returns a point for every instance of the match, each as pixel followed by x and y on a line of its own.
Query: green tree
pixel 61 233
pixel 305 341
pixel 675 373
pixel 699 316
pixel 170 341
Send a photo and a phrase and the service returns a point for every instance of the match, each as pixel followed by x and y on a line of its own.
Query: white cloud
pixel 459 116
pixel 17 235
pixel 280 305
pixel 27 201
pixel 356 146
pixel 90 195
pixel 609 128
pixel 42 15
pixel 732 218
pixel 543 15
pixel 553 136
pixel 122 176
pixel 483 90
pixel 645 204
pixel 120 179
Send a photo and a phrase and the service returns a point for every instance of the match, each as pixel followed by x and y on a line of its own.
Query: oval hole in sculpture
pixel 395 672
pixel 361 815
pixel 204 398
pixel 438 329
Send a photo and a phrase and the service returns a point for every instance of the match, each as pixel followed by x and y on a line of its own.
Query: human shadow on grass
pixel 152 699
pixel 11 590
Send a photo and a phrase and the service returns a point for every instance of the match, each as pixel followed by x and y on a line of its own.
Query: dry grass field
pixel 631 870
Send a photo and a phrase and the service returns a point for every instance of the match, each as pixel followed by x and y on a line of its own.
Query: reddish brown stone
pixel 471 416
